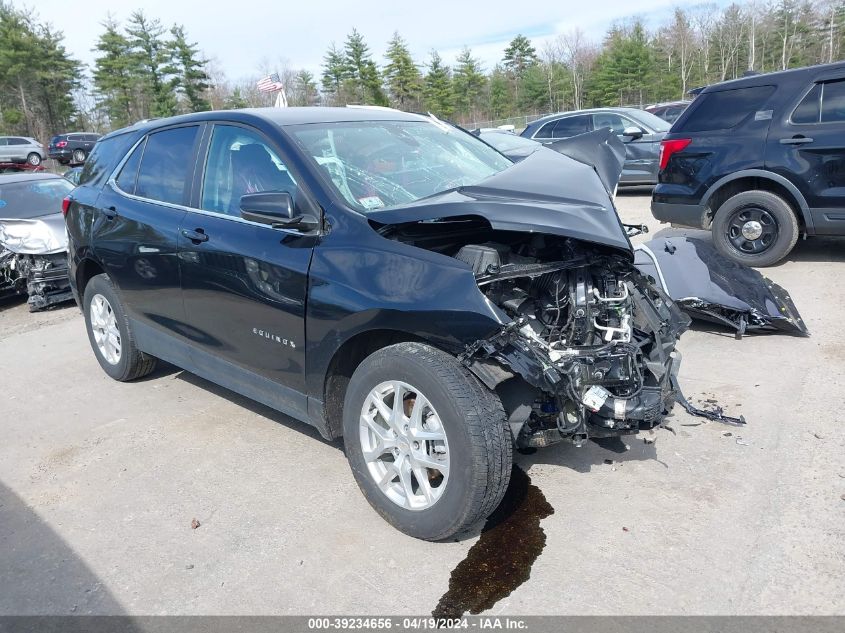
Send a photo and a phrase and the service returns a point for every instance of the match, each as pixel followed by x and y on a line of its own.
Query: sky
pixel 242 39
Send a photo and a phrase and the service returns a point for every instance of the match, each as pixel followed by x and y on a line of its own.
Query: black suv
pixel 383 276
pixel 72 148
pixel 759 160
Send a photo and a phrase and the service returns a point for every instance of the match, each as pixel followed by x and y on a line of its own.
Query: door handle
pixel 796 140
pixel 196 236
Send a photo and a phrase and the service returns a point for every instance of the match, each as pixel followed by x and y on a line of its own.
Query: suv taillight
pixel 65 205
pixel 669 147
pixel 61 144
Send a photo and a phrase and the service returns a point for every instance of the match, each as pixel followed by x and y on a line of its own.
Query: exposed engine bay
pixel 43 277
pixel 589 351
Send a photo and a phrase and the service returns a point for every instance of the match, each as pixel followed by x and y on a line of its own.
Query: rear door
pixel 244 283
pixel 806 144
pixel 135 229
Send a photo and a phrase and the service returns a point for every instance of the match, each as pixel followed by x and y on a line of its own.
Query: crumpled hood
pixel 544 193
pixel 38 236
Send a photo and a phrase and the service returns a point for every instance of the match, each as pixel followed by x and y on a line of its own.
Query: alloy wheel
pixel 404 445
pixel 105 330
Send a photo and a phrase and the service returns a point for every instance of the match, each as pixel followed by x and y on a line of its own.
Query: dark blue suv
pixel 759 161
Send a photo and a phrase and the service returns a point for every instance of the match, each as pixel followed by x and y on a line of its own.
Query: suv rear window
pixel 725 109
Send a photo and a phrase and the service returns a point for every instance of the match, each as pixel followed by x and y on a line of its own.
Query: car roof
pixel 770 78
pixel 552 117
pixel 6 179
pixel 280 117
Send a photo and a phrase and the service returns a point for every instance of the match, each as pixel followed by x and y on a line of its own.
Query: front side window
pixel 380 164
pixel 608 119
pixel 166 165
pixel 240 162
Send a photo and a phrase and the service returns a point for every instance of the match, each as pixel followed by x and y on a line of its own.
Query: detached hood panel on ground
pixel 544 193
pixel 39 236
pixel 711 287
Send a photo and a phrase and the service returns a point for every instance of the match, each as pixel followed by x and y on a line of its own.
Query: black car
pixel 383 276
pixel 72 148
pixel 759 161
pixel 640 131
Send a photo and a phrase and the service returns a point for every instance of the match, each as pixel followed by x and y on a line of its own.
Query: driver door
pixel 244 282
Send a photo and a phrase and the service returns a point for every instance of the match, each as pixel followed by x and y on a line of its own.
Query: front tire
pixel 110 334
pixel 755 228
pixel 438 459
pixel 34 159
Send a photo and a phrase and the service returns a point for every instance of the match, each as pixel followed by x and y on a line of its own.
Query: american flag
pixel 270 83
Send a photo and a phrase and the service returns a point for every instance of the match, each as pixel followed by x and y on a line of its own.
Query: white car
pixel 21 149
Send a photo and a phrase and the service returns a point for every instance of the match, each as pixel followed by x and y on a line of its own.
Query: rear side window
pixel 726 109
pixel 833 101
pixel 566 127
pixel 18 141
pixel 129 172
pixel 104 158
pixel 165 165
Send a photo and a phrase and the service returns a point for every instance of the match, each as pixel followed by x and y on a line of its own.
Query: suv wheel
pixel 755 228
pixel 79 156
pixel 109 332
pixel 428 444
pixel 34 159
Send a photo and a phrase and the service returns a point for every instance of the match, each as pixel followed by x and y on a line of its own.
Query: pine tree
pixel 468 82
pixel 364 81
pixel 151 51
pixel 236 100
pixel 306 89
pixel 335 73
pixel 520 55
pixel 625 68
pixel 439 98
pixel 188 69
pixel 115 74
pixel 402 75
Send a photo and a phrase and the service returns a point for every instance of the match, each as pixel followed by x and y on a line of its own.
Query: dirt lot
pixel 100 482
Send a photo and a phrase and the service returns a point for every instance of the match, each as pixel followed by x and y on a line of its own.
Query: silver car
pixel 21 149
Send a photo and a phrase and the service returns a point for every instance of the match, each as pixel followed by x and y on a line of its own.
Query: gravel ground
pixel 100 483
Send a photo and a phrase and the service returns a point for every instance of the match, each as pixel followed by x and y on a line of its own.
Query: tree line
pixel 143 69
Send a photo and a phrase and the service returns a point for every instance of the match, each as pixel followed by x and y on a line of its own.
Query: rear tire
pixel 79 156
pixel 477 448
pixel 110 334
pixel 34 159
pixel 753 206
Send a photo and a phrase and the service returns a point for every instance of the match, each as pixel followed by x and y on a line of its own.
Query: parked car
pixel 383 276
pixel 72 149
pixel 759 161
pixel 669 111
pixel 21 149
pixel 33 245
pixel 640 131
pixel 72 175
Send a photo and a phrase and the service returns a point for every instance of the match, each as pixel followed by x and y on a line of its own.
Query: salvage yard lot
pixel 100 482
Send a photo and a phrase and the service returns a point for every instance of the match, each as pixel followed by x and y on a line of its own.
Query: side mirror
pixel 276 209
pixel 267 207
pixel 633 132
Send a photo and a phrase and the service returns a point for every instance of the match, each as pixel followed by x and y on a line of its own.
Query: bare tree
pixel 578 55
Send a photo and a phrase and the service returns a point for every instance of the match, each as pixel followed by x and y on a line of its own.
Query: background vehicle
pixel 33 244
pixel 758 161
pixel 450 315
pixel 640 131
pixel 669 111
pixel 73 148
pixel 72 175
pixel 21 149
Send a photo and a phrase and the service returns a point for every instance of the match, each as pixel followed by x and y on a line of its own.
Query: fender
pixel 768 175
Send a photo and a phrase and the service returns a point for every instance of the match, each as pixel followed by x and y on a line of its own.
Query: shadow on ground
pixel 40 574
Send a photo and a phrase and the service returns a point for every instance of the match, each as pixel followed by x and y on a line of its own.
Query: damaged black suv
pixel 383 276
